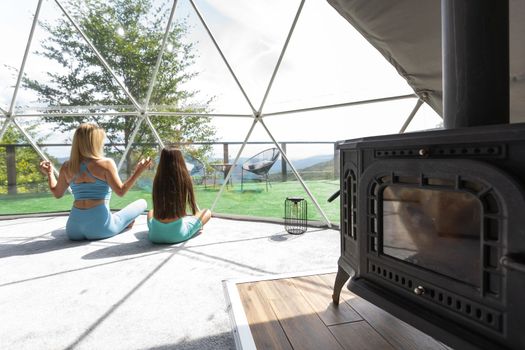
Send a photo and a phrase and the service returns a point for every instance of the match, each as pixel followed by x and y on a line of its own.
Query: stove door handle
pixel 334 196
pixel 511 262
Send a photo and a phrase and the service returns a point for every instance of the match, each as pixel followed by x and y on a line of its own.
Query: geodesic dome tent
pixel 278 72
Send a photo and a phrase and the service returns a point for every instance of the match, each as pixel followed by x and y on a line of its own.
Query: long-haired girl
pixel 173 195
pixel 92 177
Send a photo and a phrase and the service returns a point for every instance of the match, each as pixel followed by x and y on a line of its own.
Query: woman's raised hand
pixel 142 165
pixel 46 167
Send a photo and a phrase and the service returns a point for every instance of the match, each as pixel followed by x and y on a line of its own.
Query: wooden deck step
pixel 359 336
pixel 297 313
pixel 264 325
pixel 319 296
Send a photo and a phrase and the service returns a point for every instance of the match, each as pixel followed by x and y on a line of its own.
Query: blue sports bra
pixel 89 190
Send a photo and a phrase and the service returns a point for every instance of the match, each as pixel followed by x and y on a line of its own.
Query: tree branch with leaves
pixel 128 34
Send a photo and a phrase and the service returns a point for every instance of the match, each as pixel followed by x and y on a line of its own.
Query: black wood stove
pixel 433 223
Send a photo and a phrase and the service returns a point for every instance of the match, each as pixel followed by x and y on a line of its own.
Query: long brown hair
pixel 172 186
pixel 88 143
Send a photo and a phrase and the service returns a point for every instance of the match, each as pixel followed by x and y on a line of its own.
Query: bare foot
pixel 130 225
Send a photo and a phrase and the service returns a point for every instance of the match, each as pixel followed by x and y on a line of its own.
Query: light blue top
pixel 175 231
pixel 98 189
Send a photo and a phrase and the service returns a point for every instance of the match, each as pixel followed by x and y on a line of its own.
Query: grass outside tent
pixel 252 201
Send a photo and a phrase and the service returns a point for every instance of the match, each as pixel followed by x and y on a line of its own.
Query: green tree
pixel 128 34
pixel 28 177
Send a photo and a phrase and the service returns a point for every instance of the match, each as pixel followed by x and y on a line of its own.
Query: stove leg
pixel 340 280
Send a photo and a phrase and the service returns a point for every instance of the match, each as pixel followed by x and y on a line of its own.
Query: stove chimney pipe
pixel 475 46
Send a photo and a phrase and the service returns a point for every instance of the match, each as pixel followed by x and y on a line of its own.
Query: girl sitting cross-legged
pixel 173 194
pixel 92 177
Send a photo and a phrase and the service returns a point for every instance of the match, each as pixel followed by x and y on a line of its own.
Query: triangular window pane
pixel 426 118
pixel 17 17
pixel 329 62
pixel 129 36
pixel 23 188
pixel 62 70
pixel 251 35
pixel 212 88
pixel 342 123
pixel 260 182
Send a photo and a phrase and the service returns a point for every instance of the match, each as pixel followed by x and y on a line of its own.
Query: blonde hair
pixel 88 142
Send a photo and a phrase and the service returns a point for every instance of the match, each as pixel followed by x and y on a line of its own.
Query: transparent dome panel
pixel 330 66
pixel 251 36
pixel 23 188
pixel 341 123
pixel 213 86
pixel 64 73
pixel 129 38
pixel 17 17
pixel 258 184
pixel 315 162
pixel 426 118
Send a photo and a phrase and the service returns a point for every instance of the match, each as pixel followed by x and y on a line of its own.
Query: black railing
pixel 12 183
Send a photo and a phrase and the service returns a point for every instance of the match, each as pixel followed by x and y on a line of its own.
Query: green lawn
pixel 253 201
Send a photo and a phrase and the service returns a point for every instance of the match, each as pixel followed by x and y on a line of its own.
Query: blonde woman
pixel 92 177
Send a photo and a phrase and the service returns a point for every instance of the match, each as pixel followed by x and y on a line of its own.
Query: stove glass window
pixel 439 230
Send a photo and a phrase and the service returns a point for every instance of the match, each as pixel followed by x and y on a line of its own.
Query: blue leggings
pixel 98 222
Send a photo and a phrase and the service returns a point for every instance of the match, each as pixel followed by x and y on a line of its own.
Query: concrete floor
pixel 126 293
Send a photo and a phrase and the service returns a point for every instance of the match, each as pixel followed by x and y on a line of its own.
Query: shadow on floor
pixel 282 236
pixel 40 244
pixel 140 246
pixel 285 236
pixel 223 341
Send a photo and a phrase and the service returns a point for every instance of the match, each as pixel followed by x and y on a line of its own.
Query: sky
pixel 326 62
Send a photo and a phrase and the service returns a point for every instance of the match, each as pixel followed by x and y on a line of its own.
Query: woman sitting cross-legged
pixel 169 222
pixel 91 178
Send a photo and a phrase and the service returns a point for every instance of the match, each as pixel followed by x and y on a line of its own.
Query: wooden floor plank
pixel 304 329
pixel 398 333
pixel 359 336
pixel 298 313
pixel 266 331
pixel 319 296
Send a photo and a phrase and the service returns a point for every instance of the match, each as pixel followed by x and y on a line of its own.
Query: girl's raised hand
pixel 143 164
pixel 46 167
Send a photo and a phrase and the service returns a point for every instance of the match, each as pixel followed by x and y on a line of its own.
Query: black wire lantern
pixel 295 215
